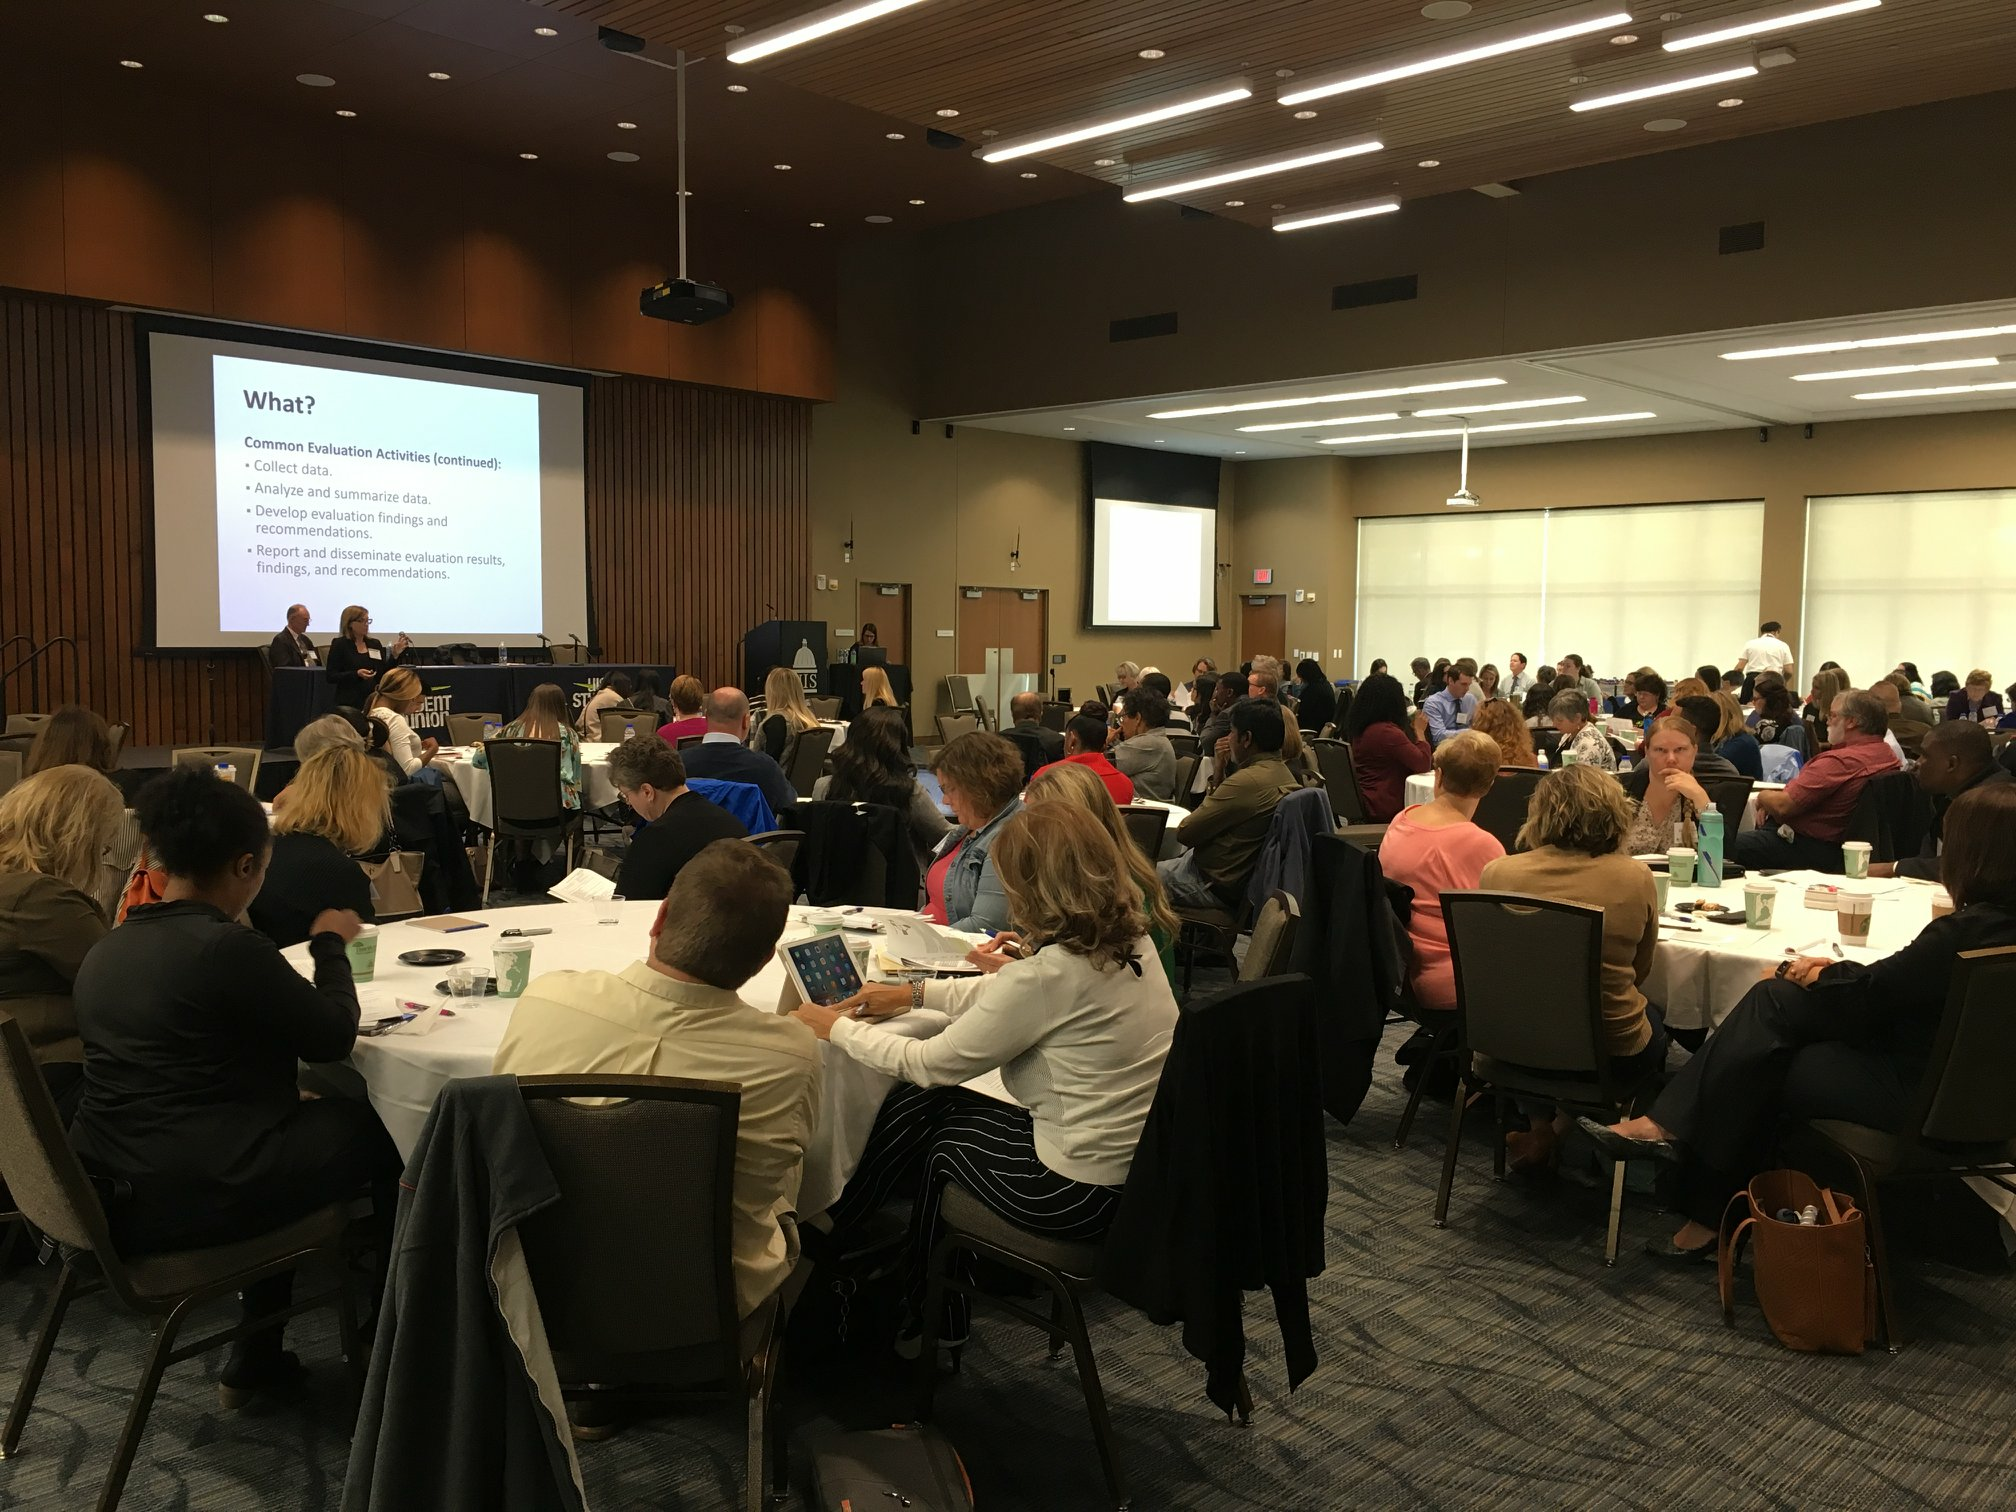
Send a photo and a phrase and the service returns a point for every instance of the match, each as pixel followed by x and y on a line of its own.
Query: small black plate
pixel 431 957
pixel 489 987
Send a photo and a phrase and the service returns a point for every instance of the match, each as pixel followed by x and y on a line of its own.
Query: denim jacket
pixel 974 899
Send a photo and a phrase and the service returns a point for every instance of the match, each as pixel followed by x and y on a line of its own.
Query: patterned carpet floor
pixel 1495 1363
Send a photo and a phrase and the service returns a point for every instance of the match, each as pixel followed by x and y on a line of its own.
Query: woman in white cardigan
pixel 1077 1019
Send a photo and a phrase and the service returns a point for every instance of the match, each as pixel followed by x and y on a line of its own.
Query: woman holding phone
pixel 356 657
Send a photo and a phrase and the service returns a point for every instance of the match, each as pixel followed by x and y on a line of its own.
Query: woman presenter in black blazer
pixel 356 659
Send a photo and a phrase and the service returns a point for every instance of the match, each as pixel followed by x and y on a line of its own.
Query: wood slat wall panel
pixel 697 519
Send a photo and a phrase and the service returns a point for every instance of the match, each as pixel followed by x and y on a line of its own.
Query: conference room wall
pixel 128 191
pixel 697 503
pixel 1620 252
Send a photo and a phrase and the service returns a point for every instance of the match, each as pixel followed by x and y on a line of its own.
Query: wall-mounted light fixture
pixel 1015 556
pixel 847 546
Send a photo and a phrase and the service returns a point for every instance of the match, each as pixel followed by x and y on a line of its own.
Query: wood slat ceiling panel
pixel 1027 65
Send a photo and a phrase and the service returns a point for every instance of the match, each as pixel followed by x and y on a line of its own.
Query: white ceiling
pixel 1682 384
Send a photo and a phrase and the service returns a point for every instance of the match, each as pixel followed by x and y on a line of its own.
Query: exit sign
pixel 1263 577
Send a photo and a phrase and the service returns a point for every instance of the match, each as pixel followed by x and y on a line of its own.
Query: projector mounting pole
pixel 1463 483
pixel 680 63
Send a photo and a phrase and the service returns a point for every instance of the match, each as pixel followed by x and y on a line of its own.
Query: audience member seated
pixel 1156 680
pixel 1688 687
pixel 649 696
pixel 1705 715
pixel 398 694
pixel 74 736
pixel 1816 805
pixel 1426 681
pixel 980 775
pixel 1914 685
pixel 1959 756
pixel 688 717
pixel 1143 751
pixel 1821 1038
pixel 1315 698
pixel 1534 704
pixel 1039 744
pixel 1078 1026
pixel 1433 848
pixel 329 730
pixel 1455 705
pixel 356 657
pixel 1670 812
pixel 877 692
pixel 785 714
pixel 336 811
pixel 1828 685
pixel 678 822
pixel 1574 672
pixel 1520 680
pixel 194 1027
pixel 1216 724
pixel 1732 740
pixel 54 826
pixel 723 756
pixel 1911 707
pixel 1648 688
pixel 1488 685
pixel 1067 782
pixel 1388 745
pixel 1944 685
pixel 1891 697
pixel 1084 743
pixel 1583 742
pixel 1223 838
pixel 545 718
pixel 874 767
pixel 1188 695
pixel 291 647
pixel 1977 700
pixel 676 1013
pixel 1732 684
pixel 1572 839
pixel 613 692
pixel 1773 720
pixel 1126 677
pixel 1507 730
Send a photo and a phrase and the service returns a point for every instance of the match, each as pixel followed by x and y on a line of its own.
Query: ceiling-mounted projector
pixel 685 300
pixel 1463 499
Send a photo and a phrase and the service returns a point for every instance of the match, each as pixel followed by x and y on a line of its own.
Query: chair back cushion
pixel 1549 1020
pixel 47 1183
pixel 805 758
pixel 1145 826
pixel 1501 813
pixel 1965 1095
pixel 1273 938
pixel 1340 779
pixel 525 783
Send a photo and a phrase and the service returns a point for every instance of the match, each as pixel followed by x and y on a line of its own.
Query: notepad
pixel 583 885
pixel 447 923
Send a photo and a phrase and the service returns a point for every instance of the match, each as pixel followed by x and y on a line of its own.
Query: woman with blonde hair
pixel 545 718
pixel 397 695
pixel 1071 782
pixel 1507 728
pixel 686 698
pixel 55 828
pixel 337 809
pixel 785 714
pixel 876 691
pixel 1077 1020
pixel 74 736
pixel 356 658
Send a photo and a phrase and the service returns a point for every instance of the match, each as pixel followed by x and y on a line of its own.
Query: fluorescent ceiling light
pixel 1814 348
pixel 809 28
pixel 1750 23
pixel 1719 72
pixel 1905 367
pixel 1281 425
pixel 1576 21
pixel 1509 404
pixel 1379 393
pixel 1940 393
pixel 1482 430
pixel 1256 167
pixel 1162 108
pixel 1329 215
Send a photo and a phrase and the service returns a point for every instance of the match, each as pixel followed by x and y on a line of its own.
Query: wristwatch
pixel 1783 968
pixel 917 992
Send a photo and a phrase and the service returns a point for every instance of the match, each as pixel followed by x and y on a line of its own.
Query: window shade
pixel 1432 586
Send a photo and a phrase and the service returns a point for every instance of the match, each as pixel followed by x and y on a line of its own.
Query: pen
pixel 510 933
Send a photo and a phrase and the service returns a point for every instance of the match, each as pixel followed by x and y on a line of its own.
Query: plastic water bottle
pixel 1543 760
pixel 503 656
pixel 1708 841
pixel 490 728
pixel 227 771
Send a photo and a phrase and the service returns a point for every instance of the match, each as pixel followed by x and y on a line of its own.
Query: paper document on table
pixel 989 1084
pixel 1875 887
pixel 583 885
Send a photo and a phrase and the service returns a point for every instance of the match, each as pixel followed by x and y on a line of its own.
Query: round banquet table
pixel 1177 814
pixel 403 1072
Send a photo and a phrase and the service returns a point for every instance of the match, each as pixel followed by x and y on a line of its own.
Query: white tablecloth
pixel 403 1073
pixel 1420 788
pixel 1177 814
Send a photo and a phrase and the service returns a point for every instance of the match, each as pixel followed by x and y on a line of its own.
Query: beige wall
pixel 942 513
pixel 1868 456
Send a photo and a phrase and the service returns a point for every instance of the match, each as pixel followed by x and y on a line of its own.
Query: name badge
pixel 1462 718
pixel 374 653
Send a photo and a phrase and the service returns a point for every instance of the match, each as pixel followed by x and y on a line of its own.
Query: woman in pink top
pixel 686 698
pixel 1434 848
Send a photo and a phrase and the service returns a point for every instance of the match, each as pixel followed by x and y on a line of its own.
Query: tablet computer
pixel 821 969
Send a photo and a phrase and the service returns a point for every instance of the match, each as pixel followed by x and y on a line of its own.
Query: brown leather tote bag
pixel 1814 1282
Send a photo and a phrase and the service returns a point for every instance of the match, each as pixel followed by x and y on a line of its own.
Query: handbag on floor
pixel 395 884
pixel 1814 1282
pixel 911 1465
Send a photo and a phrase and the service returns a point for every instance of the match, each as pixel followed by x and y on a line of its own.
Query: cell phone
pixel 821 969
pixel 385 1025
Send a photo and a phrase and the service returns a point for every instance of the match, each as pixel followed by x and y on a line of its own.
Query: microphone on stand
pixel 578 658
pixel 542 638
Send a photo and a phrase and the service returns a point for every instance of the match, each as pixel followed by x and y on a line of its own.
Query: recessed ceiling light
pixel 1729 104
pixel 1538 32
pixel 1160 442
pixel 738 89
pixel 916 202
pixel 1330 215
pixel 1105 162
pixel 1238 454
pixel 1971 333
pixel 530 157
pixel 1070 427
pixel 136 63
pixel 1480 430
pixel 1750 23
pixel 894 136
pixel 1903 367
pixel 1623 39
pixel 1508 404
pixel 1718 72
pixel 1345 398
pixel 1028 175
pixel 1147 113
pixel 1429 163
pixel 544 31
pixel 1669 15
pixel 1234 204
pixel 1940 393
pixel 215 17
pixel 810 27
pixel 781 167
pixel 1578 78
pixel 437 74
pixel 348 115
pixel 1283 425
pixel 817 225
pixel 733 30
pixel 622 157
pixel 1151 53
pixel 1305 115
pixel 626 125
pixel 1447 10
pixel 1665 123
pixel 1257 167
pixel 877 220
pixel 948 113
pixel 313 81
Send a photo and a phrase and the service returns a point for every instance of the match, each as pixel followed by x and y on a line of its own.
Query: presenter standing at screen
pixel 291 647
pixel 356 659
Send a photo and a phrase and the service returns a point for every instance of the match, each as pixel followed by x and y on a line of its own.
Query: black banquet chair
pixel 525 799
